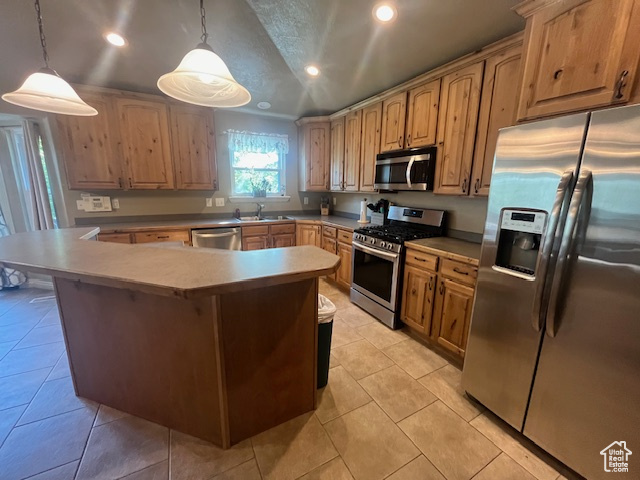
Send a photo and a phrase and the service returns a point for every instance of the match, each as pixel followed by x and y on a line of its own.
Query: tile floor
pixel 393 409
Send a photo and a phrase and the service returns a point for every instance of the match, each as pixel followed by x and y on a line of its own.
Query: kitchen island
pixel 216 344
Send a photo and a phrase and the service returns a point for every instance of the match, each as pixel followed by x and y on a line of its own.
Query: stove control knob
pixel 383 245
pixel 390 246
pixel 372 241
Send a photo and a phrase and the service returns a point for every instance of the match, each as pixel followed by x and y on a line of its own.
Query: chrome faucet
pixel 259 212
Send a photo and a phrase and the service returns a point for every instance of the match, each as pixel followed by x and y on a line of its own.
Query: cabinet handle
pixel 162 236
pixel 464 186
pixel 477 185
pixel 461 272
pixel 431 284
pixel 441 143
pixel 419 259
pixel 621 84
pixel 119 182
pixel 409 140
pixel 413 292
pixel 400 142
pixel 441 288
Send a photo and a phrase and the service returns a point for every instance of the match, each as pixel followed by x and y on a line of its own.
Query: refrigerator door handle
pixel 559 276
pixel 563 187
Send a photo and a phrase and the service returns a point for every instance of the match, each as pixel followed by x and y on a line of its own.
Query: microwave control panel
pixel 523 221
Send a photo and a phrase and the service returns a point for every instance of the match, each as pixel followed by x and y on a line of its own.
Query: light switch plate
pixel 80 205
pixel 335 201
pixel 306 200
pixel 115 203
pixel 209 202
pixel 220 202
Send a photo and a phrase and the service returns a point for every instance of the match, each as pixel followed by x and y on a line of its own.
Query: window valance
pixel 258 142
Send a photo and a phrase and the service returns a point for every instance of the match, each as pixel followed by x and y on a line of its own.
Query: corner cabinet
pixel 194 147
pixel 314 151
pixel 370 145
pixel 579 54
pixel 394 113
pixel 146 144
pixel 422 117
pixel 498 109
pixel 457 122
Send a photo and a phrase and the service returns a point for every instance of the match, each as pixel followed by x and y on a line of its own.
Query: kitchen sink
pixel 255 218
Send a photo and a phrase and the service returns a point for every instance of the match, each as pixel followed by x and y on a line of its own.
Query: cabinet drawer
pixel 174 236
pixel 330 232
pixel 421 260
pixel 254 231
pixel 282 228
pixel 345 236
pixel 459 271
pixel 115 237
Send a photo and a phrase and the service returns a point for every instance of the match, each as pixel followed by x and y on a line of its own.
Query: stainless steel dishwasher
pixel 221 238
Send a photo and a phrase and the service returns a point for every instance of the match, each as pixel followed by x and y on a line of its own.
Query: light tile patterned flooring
pixel 393 409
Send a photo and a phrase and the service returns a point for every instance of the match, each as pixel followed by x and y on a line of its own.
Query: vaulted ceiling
pixel 265 43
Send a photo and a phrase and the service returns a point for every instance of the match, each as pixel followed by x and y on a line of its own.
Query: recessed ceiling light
pixel 312 70
pixel 115 39
pixel 385 12
pixel 264 105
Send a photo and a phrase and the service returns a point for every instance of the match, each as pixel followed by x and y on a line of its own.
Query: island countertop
pixel 177 272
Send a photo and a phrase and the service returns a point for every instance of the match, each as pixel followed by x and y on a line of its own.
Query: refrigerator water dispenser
pixel 519 240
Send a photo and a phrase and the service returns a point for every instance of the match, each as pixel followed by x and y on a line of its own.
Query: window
pixel 257 163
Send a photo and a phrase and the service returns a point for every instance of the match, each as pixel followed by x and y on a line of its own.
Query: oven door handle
pixel 408 174
pixel 376 253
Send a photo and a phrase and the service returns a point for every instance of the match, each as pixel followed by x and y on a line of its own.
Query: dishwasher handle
pixel 215 235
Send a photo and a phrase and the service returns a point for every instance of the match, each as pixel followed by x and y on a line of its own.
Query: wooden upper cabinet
pixel 89 146
pixel 315 138
pixel 394 113
pixel 194 148
pixel 370 145
pixel 422 115
pixel 498 107
pixel 457 122
pixel 144 132
pixel 337 154
pixel 352 133
pixel 578 54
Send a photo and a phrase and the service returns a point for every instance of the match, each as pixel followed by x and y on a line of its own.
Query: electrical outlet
pixel 209 202
pixel 335 201
pixel 306 200
pixel 220 202
pixel 115 203
pixel 80 205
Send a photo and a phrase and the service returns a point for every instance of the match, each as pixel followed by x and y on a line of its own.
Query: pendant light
pixel 45 90
pixel 202 78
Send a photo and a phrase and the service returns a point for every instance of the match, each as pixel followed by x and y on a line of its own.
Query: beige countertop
pixel 451 248
pixel 178 271
pixel 124 227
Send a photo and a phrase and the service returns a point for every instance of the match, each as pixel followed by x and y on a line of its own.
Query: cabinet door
pixel 315 150
pixel 417 298
pixel 498 107
pixel 144 132
pixel 255 243
pixel 352 133
pixel 577 53
pixel 394 113
pixel 370 145
pixel 452 315
pixel 283 240
pixel 330 244
pixel 308 235
pixel 194 148
pixel 89 145
pixel 337 154
pixel 457 122
pixel 115 237
pixel 422 115
pixel 343 275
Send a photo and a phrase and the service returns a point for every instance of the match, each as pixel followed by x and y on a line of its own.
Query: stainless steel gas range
pixel 378 259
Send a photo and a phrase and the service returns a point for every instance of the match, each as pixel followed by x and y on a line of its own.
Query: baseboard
pixel 37 283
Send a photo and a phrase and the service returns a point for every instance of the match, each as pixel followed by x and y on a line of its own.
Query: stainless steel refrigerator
pixel 554 343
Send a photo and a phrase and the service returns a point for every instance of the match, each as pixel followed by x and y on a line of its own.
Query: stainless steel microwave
pixel 406 169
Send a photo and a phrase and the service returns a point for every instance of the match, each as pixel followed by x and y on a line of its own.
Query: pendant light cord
pixel 43 40
pixel 205 35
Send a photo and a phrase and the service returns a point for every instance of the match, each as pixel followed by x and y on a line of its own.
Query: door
pixel 498 107
pixel 343 275
pixel 580 54
pixel 587 390
pixel 370 145
pixel 422 115
pixel 457 122
pixel 337 154
pixel 417 300
pixel 531 161
pixel 394 113
pixel 283 240
pixel 352 133
pixel 255 243
pixel 89 146
pixel 194 148
pixel 452 315
pixel 144 132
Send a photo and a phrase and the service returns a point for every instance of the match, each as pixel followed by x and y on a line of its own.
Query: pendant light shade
pixel 46 91
pixel 202 78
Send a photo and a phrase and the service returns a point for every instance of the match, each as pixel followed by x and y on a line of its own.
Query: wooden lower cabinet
pixel 168 236
pixel 343 275
pixel 308 234
pixel 115 237
pixel 259 237
pixel 452 315
pixel 255 243
pixel 417 298
pixel 282 240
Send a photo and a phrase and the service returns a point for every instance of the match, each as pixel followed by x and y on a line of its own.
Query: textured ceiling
pixel 265 43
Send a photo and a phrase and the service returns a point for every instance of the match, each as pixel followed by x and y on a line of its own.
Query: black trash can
pixel 326 311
